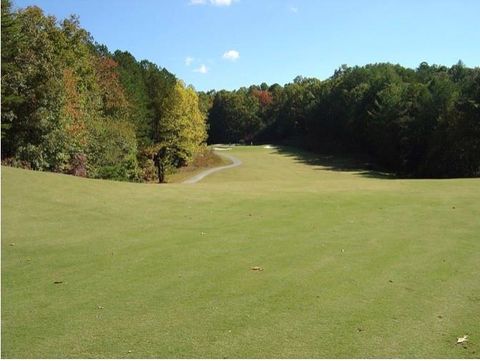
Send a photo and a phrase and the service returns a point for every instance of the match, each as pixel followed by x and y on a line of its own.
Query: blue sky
pixel 226 44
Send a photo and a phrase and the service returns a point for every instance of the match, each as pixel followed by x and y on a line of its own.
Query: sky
pixel 226 44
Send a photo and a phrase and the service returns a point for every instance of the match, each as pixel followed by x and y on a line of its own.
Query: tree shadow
pixel 361 165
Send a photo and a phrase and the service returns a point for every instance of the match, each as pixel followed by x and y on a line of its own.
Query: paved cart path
pixel 235 163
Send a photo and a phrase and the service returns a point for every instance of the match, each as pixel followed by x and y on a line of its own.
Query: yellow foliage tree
pixel 182 126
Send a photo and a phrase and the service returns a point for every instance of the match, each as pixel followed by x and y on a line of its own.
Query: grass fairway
pixel 355 265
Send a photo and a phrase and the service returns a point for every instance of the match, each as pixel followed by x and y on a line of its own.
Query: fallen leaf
pixel 462 339
pixel 257 268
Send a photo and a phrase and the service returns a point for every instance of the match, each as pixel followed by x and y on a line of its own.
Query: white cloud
pixel 293 9
pixel 231 55
pixel 212 2
pixel 221 2
pixel 201 69
pixel 189 60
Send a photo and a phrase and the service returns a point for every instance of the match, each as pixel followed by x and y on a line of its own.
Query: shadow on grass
pixel 336 162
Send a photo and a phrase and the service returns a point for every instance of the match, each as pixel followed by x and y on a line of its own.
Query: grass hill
pixel 355 264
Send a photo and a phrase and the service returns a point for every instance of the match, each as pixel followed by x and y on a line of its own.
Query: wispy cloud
pixel 221 2
pixel 293 9
pixel 212 2
pixel 231 55
pixel 201 69
pixel 189 60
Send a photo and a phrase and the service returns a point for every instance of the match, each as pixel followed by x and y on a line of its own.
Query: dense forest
pixel 418 123
pixel 69 105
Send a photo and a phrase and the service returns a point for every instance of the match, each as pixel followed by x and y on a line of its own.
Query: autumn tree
pixel 180 129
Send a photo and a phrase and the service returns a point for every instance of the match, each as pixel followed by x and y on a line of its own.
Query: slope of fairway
pixel 355 265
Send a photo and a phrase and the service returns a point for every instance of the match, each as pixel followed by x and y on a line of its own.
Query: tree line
pixel 69 105
pixel 422 122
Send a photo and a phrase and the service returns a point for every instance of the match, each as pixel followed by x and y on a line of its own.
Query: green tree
pixel 131 76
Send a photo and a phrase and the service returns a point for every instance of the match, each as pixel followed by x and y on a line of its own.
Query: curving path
pixel 235 163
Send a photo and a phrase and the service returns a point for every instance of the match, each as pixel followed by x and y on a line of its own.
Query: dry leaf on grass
pixel 257 268
pixel 462 339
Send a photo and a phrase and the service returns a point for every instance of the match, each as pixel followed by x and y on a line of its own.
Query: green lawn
pixel 355 264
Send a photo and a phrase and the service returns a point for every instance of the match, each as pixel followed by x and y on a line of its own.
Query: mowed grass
pixel 354 265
